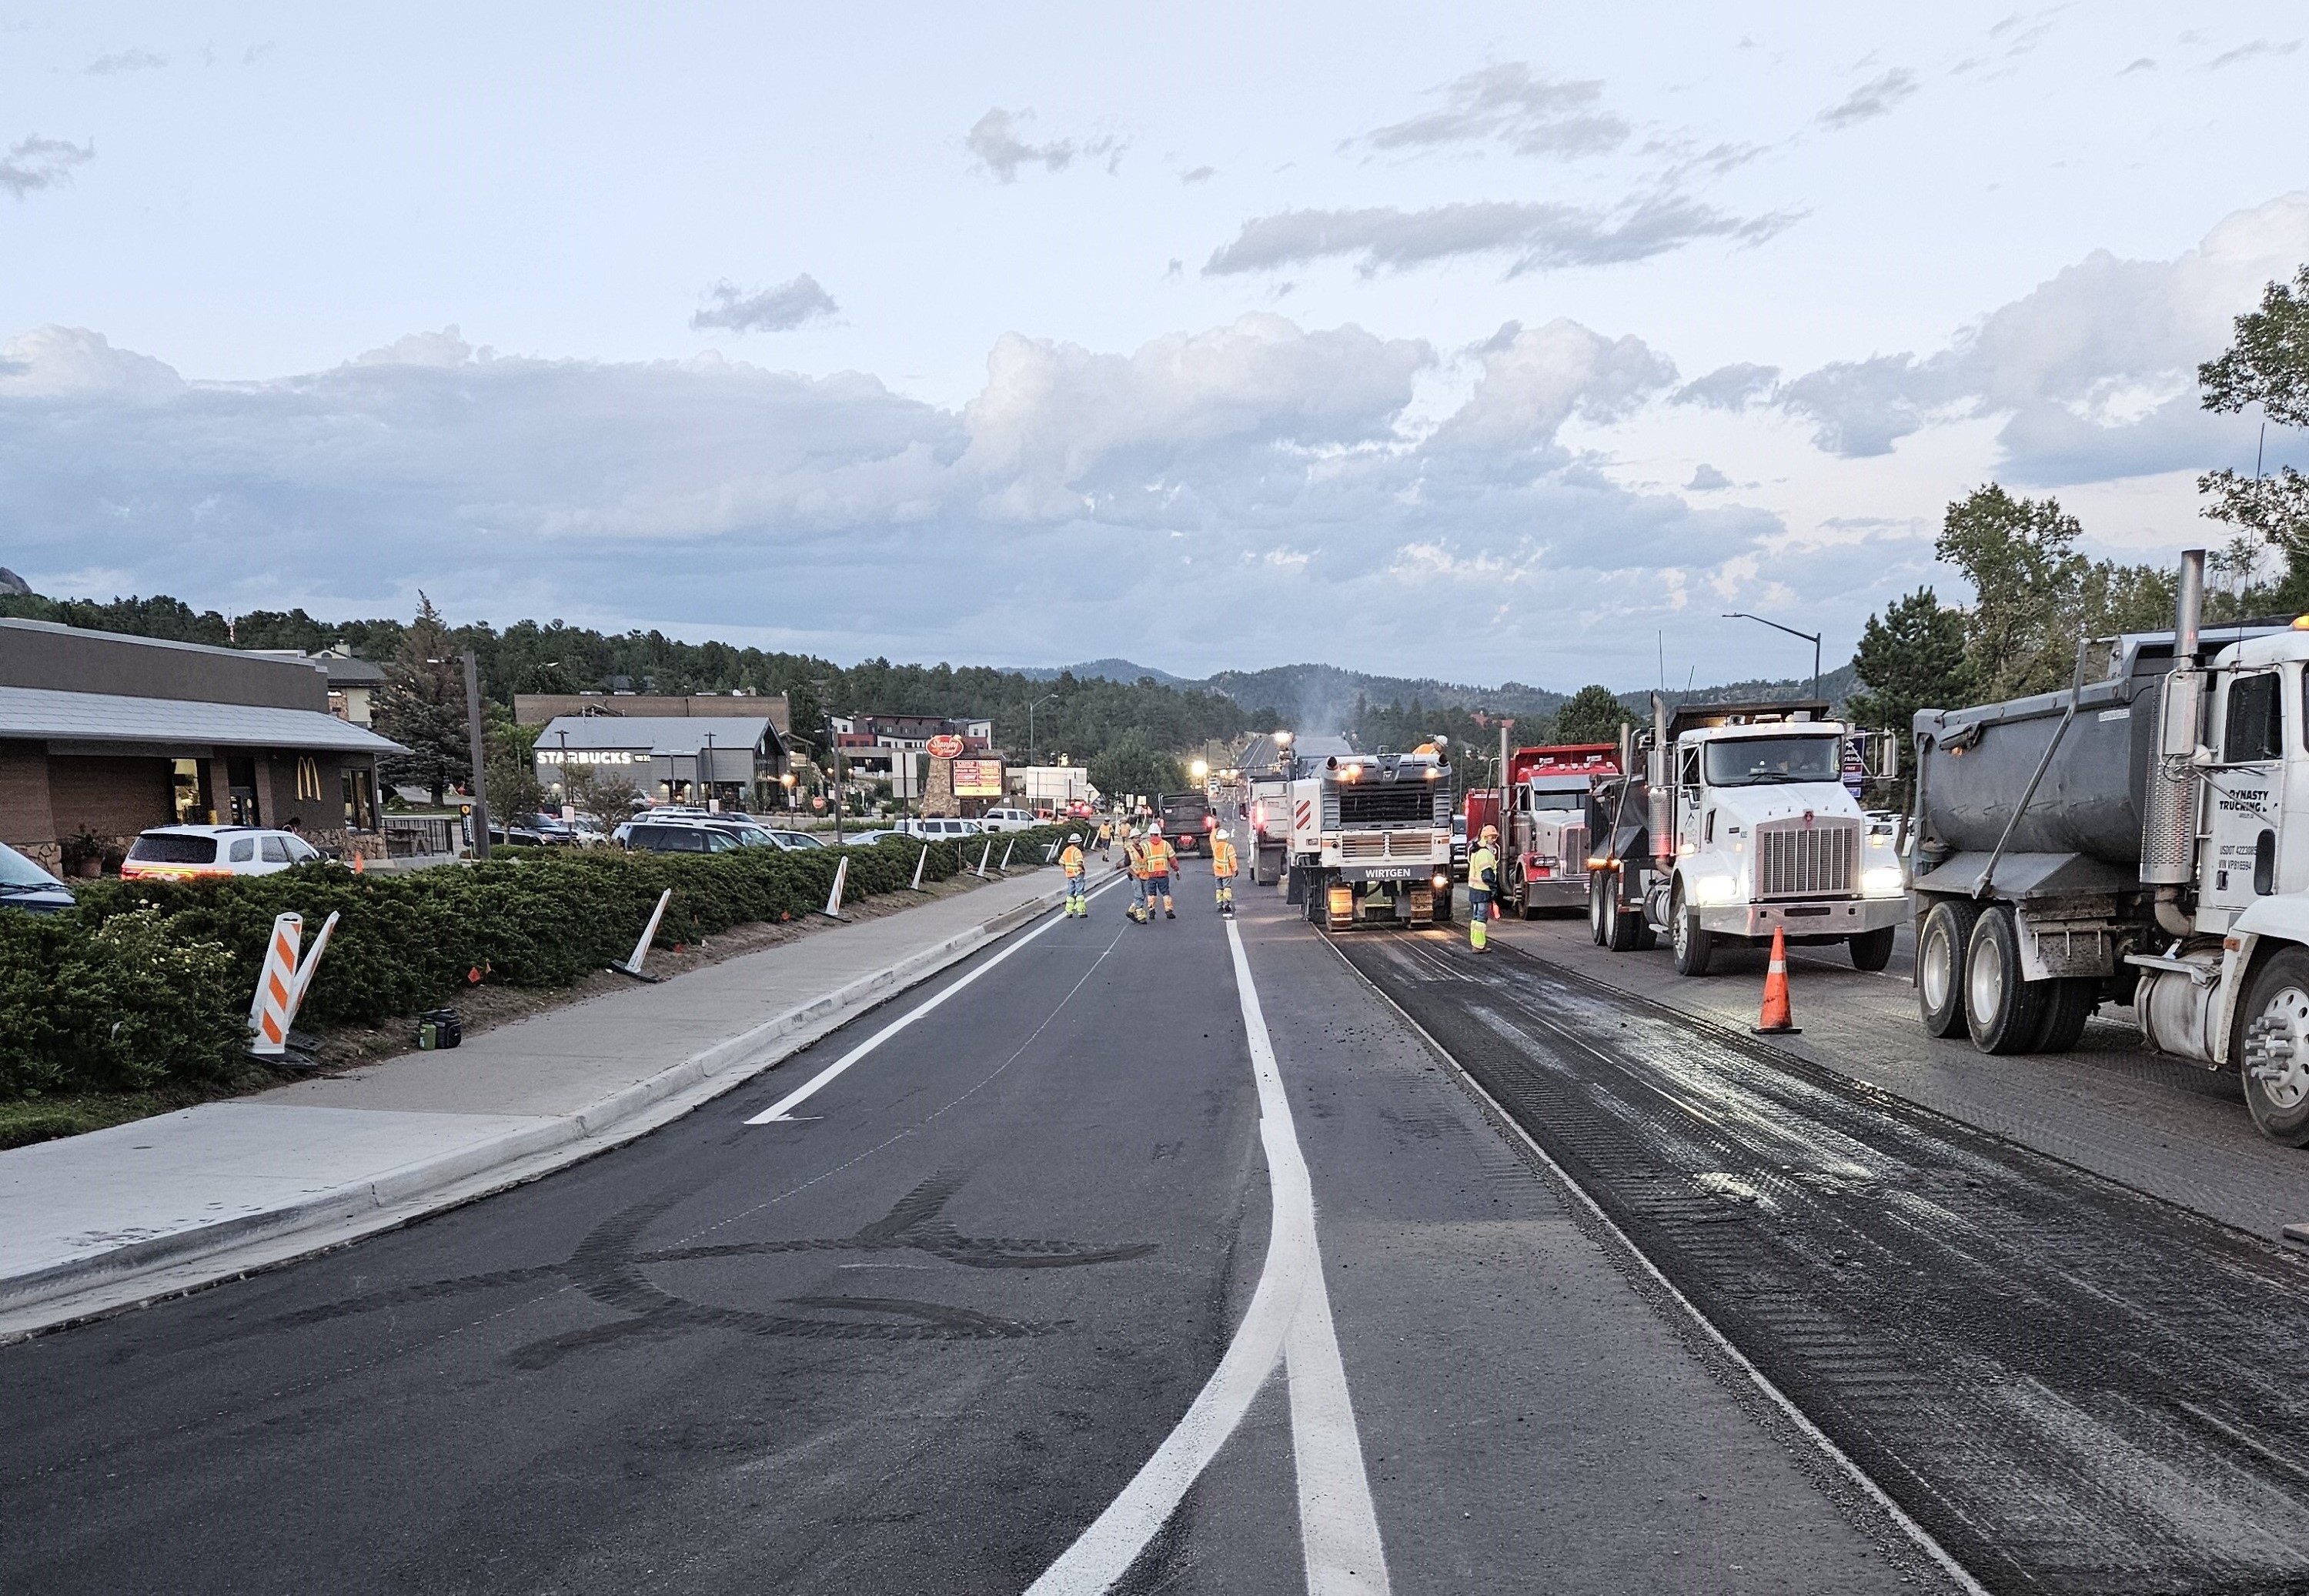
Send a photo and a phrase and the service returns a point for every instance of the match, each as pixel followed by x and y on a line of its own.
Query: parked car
pixel 1006 820
pixel 519 834
pixel 184 853
pixel 861 839
pixel 23 885
pixel 940 829
pixel 676 836
pixel 799 842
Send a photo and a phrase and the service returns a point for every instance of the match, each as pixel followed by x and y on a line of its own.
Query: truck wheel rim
pixel 1939 974
pixel 1984 984
pixel 1683 931
pixel 2276 1049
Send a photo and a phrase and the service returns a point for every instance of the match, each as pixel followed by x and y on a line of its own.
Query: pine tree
pixel 1911 657
pixel 1591 716
pixel 422 707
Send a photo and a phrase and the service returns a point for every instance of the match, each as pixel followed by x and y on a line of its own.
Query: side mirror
pixel 1887 757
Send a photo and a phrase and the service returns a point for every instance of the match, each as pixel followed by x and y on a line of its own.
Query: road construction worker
pixel 1224 866
pixel 1161 863
pixel 1134 860
pixel 1482 881
pixel 1070 860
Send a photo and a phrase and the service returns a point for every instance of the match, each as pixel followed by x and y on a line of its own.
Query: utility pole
pixel 480 774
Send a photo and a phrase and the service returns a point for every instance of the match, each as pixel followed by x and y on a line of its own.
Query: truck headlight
pixel 1881 880
pixel 1441 881
pixel 1713 891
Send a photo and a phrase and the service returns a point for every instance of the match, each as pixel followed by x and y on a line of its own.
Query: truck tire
pixel 1695 949
pixel 1598 890
pixel 1313 892
pixel 2277 1007
pixel 2074 999
pixel 1621 927
pixel 1872 949
pixel 1940 946
pixel 2003 1012
pixel 1295 886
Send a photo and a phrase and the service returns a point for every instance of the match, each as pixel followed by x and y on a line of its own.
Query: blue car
pixel 23 885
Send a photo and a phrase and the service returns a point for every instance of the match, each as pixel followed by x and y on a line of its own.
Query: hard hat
pixel 1222 834
pixel 1074 839
pixel 1491 831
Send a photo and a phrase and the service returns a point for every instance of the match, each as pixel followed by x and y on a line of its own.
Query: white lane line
pixel 1289 1321
pixel 781 1111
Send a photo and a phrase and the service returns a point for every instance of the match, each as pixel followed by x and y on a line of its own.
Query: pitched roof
pixel 110 718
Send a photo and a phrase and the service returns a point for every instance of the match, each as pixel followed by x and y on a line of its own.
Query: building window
pixel 190 804
pixel 361 807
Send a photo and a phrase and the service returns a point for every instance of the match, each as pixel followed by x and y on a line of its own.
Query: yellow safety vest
pixel 1138 853
pixel 1158 857
pixel 1072 861
pixel 1222 859
pixel 1481 863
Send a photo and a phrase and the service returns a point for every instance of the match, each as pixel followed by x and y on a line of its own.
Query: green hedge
pixel 150 981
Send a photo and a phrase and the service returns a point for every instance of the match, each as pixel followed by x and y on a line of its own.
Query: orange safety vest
pixel 1072 861
pixel 1137 854
pixel 1158 857
pixel 1222 859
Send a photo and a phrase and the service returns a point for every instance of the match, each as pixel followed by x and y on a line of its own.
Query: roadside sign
pixel 946 745
pixel 978 777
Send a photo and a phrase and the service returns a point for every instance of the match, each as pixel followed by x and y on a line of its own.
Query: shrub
pixel 147 982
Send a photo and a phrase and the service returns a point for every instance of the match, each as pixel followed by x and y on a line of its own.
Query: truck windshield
pixel 1558 800
pixel 1764 761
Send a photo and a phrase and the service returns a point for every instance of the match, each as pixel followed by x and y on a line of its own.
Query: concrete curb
pixel 139 1273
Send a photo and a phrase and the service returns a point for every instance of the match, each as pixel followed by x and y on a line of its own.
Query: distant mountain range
pixel 1322 697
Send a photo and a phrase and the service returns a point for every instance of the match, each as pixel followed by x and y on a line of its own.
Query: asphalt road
pixel 2072 1385
pixel 925 1335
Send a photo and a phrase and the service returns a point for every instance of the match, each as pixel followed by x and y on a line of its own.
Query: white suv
pixel 185 852
pixel 1008 820
pixel 937 829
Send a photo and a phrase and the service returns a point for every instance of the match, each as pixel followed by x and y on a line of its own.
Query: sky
pixel 1478 342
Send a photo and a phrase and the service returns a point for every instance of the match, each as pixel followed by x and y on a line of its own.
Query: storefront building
pixel 735 760
pixel 103 735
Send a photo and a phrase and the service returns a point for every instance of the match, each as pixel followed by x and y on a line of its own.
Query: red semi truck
pixel 1543 835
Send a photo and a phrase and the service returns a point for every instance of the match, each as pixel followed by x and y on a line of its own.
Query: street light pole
pixel 481 774
pixel 1811 637
pixel 1044 699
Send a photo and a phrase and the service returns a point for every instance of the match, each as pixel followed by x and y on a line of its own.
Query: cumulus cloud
pixel 1515 107
pixel 1733 387
pixel 2093 371
pixel 36 163
pixel 1534 236
pixel 994 139
pixel 120 61
pixel 781 309
pixel 1873 99
pixel 1536 379
pixel 1706 478
pixel 1267 467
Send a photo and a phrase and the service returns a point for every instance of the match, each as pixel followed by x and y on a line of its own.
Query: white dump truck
pixel 2140 837
pixel 1370 840
pixel 1740 826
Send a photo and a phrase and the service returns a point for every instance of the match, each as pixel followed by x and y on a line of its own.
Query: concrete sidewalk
pixel 92 1223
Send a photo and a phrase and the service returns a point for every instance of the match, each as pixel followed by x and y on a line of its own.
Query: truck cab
pixel 1544 834
pixel 1747 829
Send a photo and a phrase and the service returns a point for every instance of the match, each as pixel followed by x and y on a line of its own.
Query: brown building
pixel 103 735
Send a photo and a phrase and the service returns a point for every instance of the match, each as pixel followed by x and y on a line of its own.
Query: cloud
pixel 1729 387
pixel 1873 99
pixel 134 60
pixel 1536 379
pixel 2252 51
pixel 2092 372
pixel 1510 105
pixel 994 140
pixel 1536 235
pixel 38 163
pixel 2142 64
pixel 1706 478
pixel 781 309
pixel 1199 175
pixel 1271 470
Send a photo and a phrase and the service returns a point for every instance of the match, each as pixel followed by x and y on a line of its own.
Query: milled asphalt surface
pixel 919 1341
pixel 2074 1386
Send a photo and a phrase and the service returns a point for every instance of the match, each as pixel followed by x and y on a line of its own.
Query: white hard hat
pixel 1223 832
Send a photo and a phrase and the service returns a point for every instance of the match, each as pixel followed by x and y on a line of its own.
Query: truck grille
pixel 1387 803
pixel 1386 845
pixel 1574 862
pixel 1795 861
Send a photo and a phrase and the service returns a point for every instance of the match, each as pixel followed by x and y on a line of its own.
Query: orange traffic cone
pixel 1776 1019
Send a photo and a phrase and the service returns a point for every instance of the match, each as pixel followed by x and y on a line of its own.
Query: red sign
pixel 945 745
